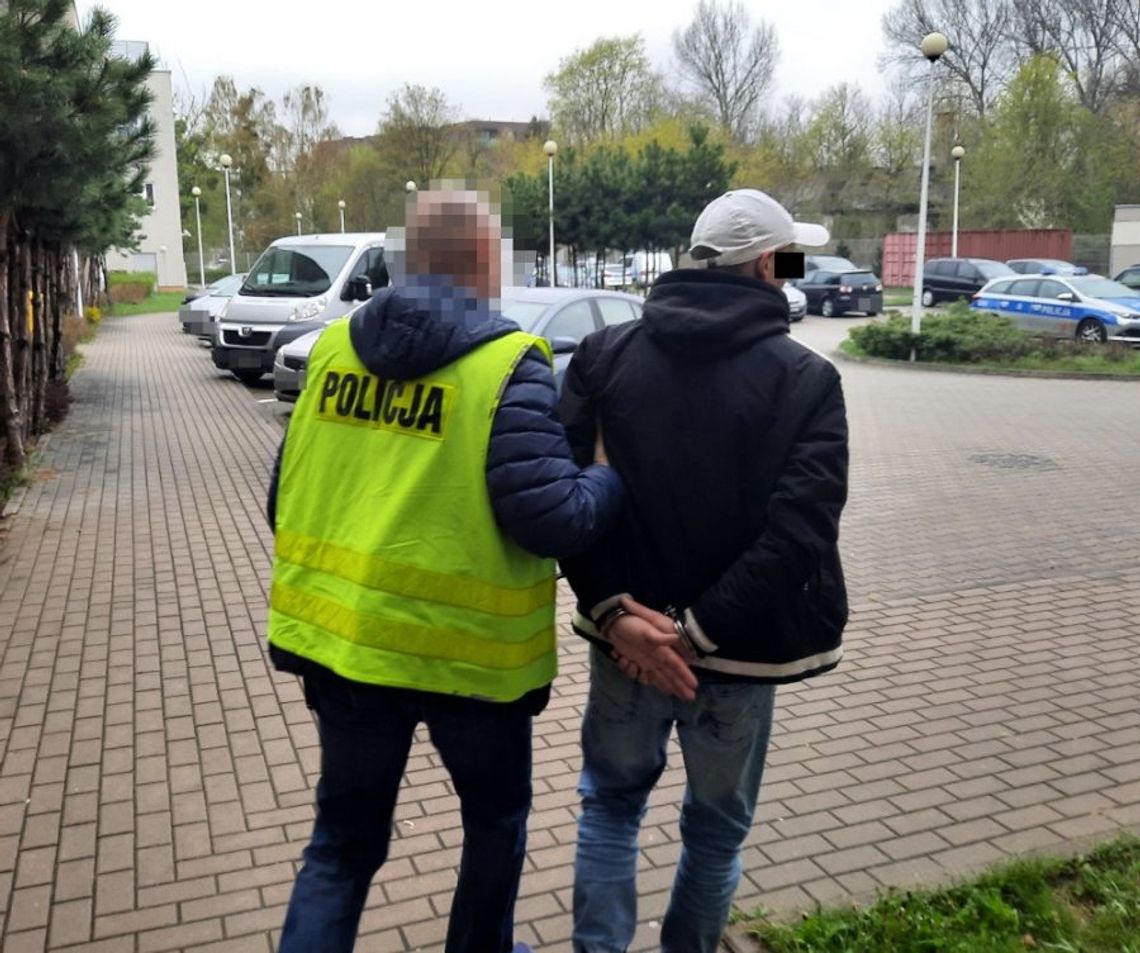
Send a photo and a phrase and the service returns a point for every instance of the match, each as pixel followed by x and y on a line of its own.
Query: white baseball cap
pixel 743 224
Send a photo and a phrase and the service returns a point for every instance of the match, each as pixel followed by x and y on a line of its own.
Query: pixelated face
pixel 456 233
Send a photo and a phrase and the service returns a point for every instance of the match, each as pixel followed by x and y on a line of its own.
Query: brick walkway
pixel 155 784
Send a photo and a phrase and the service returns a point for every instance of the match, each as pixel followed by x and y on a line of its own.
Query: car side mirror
pixel 357 289
pixel 563 345
pixel 1066 296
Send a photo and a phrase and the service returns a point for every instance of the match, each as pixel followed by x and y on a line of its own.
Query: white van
pixel 637 270
pixel 299 278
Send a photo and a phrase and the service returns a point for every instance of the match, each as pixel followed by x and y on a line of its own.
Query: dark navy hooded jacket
pixel 540 497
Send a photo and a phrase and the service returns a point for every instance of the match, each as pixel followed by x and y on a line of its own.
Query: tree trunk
pixel 9 402
pixel 61 298
pixel 37 260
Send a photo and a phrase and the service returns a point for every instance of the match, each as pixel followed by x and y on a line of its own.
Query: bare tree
pixel 1085 34
pixel 897 142
pixel 981 55
pixel 729 61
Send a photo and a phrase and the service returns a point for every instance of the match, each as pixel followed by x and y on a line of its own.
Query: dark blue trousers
pixel 366 733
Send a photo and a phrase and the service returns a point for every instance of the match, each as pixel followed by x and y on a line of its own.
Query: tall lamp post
pixel 956 153
pixel 197 193
pixel 933 46
pixel 227 160
pixel 550 147
pixel 340 208
pixel 297 216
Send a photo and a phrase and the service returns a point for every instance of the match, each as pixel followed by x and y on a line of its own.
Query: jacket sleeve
pixel 541 498
pixel 598 575
pixel 802 524
pixel 274 482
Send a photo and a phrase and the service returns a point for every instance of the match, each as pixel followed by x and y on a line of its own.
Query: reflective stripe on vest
pixel 389 566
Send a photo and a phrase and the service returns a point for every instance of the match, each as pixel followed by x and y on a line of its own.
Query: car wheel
pixel 927 298
pixel 871 314
pixel 248 377
pixel 827 309
pixel 1090 329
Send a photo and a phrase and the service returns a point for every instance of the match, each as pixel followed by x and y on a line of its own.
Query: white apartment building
pixel 160 232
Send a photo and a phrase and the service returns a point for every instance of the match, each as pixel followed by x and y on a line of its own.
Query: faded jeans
pixel 366 734
pixel 724 739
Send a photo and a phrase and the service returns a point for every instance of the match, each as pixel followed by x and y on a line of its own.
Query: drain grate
pixel 1013 461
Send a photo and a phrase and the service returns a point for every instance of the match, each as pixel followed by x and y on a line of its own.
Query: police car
pixel 1087 307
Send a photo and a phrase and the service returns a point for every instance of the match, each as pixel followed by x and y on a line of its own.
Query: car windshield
pixel 524 313
pixel 993 269
pixel 858 276
pixel 296 271
pixel 1101 288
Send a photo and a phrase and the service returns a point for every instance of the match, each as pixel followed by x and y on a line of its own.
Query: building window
pixel 148 192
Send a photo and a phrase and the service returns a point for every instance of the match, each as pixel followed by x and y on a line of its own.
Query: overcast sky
pixel 489 64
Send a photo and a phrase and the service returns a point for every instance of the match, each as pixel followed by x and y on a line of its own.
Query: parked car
pixel 1045 266
pixel 198 314
pixel 828 263
pixel 562 315
pixel 948 279
pixel 299 278
pixel 1130 276
pixel 835 293
pixel 797 302
pixel 1084 306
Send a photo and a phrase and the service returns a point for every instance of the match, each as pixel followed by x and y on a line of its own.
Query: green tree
pixel 75 140
pixel 416 139
pixel 605 91
pixel 1042 163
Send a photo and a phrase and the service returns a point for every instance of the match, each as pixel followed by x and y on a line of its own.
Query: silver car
pixel 561 315
pixel 198 314
pixel 797 302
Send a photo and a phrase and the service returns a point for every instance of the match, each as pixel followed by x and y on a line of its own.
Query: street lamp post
pixel 933 46
pixel 297 216
pixel 956 153
pixel 340 207
pixel 550 147
pixel 197 193
pixel 227 160
pixel 409 186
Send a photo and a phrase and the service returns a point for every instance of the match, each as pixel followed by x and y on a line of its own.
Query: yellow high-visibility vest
pixel 389 567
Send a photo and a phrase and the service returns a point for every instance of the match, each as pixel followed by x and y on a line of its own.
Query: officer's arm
pixel 541 498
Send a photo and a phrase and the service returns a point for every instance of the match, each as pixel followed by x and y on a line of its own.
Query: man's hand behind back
pixel 648 648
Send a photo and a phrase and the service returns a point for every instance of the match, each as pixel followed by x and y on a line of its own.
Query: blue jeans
pixel 366 733
pixel 724 739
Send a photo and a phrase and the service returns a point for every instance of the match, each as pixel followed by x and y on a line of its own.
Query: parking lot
pixel 156 775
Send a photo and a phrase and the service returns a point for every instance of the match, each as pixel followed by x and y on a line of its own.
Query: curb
pixel 985 371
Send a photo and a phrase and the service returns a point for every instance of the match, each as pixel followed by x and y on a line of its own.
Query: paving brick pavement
pixel 156 775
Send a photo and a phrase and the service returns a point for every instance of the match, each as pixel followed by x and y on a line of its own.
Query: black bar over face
pixel 788 264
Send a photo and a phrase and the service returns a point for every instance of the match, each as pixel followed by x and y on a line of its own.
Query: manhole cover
pixel 1013 461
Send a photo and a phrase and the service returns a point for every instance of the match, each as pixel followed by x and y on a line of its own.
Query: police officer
pixel 422 491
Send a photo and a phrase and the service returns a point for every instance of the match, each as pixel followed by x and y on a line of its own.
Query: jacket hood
pixel 407 333
pixel 707 313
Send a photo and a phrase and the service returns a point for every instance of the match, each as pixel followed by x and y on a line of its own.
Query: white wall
pixel 162 227
pixel 1125 239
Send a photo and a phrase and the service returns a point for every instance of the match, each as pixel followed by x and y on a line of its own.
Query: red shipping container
pixel 1000 245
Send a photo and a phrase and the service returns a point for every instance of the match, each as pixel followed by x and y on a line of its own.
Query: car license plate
pixel 864 304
